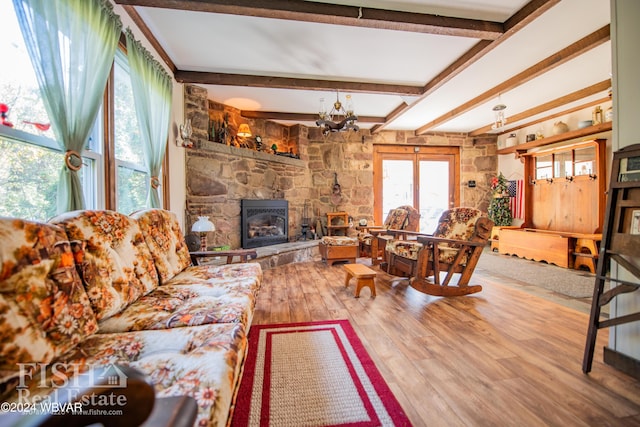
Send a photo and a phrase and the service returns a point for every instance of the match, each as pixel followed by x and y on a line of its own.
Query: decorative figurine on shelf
pixel 223 130
pixel 185 133
pixel 4 109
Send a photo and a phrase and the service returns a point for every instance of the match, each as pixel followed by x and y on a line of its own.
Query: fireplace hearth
pixel 264 222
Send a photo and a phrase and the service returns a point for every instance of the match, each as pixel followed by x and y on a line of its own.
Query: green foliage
pixel 29 180
pixel 132 190
pixel 499 211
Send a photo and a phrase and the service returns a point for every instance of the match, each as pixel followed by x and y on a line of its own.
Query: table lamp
pixel 202 226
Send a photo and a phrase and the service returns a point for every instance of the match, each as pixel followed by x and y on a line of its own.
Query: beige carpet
pixel 572 283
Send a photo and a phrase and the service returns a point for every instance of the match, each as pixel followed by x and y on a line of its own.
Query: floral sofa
pixel 96 288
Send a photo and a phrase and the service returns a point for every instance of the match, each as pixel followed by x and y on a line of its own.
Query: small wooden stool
pixel 364 277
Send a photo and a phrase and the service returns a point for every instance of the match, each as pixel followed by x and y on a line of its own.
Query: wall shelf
pixel 574 134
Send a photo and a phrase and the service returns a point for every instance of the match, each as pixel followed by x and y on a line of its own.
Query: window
pixel 132 175
pixel 30 157
pixel 568 162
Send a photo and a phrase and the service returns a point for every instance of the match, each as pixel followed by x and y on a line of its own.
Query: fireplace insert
pixel 264 222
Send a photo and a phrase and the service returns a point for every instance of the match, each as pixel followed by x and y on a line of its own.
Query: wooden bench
pixel 364 277
pixel 564 249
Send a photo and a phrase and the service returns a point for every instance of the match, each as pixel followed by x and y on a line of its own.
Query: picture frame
pixel 635 222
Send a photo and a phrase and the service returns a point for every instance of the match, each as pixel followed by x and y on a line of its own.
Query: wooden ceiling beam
pixel 299 117
pixel 572 51
pixel 527 14
pixel 196 77
pixel 327 13
pixel 558 102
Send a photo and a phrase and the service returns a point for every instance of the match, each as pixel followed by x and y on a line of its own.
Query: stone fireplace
pixel 264 222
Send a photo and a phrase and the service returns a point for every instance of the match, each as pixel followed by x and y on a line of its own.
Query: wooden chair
pixel 454 248
pixel 403 218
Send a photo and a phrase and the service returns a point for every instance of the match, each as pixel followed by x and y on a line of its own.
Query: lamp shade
pixel 203 225
pixel 244 131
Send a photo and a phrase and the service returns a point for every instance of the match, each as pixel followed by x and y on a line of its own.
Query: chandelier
pixel 340 118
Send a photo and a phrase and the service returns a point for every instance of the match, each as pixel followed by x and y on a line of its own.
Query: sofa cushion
pixel 203 362
pixel 200 295
pixel 339 241
pixel 115 263
pixel 44 310
pixel 404 248
pixel 165 240
pixel 173 306
pixel 199 274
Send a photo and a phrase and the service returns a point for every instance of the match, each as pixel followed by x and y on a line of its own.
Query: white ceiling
pixel 259 46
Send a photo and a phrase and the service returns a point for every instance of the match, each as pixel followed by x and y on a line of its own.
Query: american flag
pixel 516 198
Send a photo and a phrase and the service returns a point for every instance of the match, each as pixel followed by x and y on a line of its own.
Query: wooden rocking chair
pixel 371 239
pixel 454 248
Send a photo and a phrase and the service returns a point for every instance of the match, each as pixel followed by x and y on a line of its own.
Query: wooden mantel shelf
pixel 574 134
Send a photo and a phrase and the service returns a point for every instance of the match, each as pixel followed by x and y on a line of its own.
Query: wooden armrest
pixel 110 395
pixel 244 254
pixel 375 230
pixel 426 240
pixel 404 233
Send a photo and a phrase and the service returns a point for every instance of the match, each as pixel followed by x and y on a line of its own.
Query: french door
pixel 426 178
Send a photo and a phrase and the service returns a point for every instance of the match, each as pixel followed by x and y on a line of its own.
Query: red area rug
pixel 312 374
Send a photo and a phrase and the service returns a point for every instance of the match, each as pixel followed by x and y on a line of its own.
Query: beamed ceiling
pixel 423 66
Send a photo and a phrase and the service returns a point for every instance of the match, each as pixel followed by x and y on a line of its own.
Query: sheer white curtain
pixel 152 93
pixel 72 44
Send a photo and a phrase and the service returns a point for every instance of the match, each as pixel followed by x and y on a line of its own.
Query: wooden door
pixel 426 178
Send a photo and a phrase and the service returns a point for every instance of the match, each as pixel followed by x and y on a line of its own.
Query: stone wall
pixel 352 160
pixel 220 176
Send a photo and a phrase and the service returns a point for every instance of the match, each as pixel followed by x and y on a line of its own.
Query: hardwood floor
pixel 502 357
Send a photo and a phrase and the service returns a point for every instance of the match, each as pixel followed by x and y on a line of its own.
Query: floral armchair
pixel 454 248
pixel 403 218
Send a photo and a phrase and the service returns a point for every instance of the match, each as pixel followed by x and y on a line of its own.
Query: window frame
pixel 100 163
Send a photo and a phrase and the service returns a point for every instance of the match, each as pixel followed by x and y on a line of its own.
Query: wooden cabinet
pixel 337 223
pixel 566 187
pixel 564 205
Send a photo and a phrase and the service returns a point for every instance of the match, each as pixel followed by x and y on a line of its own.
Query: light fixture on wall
pixel 340 118
pixel 244 131
pixel 499 119
pixel 203 226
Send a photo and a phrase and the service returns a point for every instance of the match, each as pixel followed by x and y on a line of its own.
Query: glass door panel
pixel 397 184
pixel 434 192
pixel 426 178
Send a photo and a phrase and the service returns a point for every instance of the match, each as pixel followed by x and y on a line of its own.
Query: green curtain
pixel 72 44
pixel 152 92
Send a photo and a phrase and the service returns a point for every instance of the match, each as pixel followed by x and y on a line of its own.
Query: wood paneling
pixel 574 205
